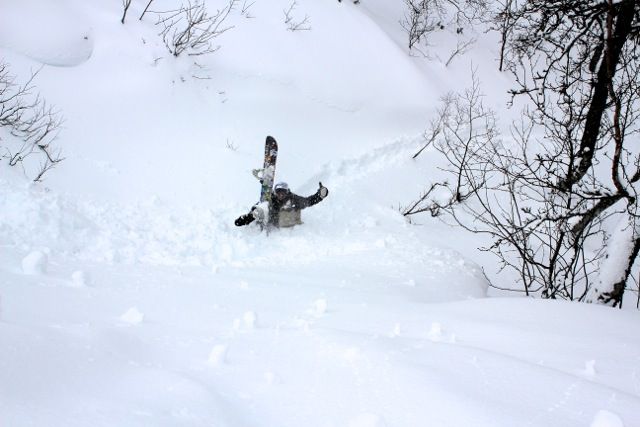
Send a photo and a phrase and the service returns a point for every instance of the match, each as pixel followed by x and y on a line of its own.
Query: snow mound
pixel 80 279
pixel 132 316
pixel 367 420
pixel 607 419
pixel 52 33
pixel 35 263
pixel 218 355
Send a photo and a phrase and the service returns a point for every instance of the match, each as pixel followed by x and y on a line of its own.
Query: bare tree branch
pixel 125 5
pixel 145 10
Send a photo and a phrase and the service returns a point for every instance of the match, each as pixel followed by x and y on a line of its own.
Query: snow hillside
pixel 129 298
pixel 255 347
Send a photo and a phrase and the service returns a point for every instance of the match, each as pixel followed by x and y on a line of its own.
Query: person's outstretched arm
pixel 304 202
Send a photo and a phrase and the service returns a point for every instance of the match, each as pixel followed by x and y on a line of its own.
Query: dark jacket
pixel 291 204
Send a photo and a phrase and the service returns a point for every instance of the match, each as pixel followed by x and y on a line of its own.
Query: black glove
pixel 244 219
pixel 323 191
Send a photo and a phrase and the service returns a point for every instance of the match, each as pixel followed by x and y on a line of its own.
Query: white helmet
pixel 281 186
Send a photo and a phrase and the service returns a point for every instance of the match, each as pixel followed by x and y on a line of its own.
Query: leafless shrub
pixel 245 9
pixel 462 46
pixel 505 192
pixel 424 17
pixel 463 130
pixel 145 9
pixel 417 22
pixel 32 124
pixel 192 30
pixel 295 25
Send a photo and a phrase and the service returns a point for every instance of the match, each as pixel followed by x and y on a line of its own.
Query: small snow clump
pixel 606 419
pixel 132 316
pixel 35 263
pixel 79 279
pixel 218 355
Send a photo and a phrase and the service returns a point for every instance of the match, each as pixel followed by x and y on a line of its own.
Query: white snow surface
pixel 129 298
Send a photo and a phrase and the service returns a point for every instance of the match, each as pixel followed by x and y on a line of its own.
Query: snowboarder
pixel 283 210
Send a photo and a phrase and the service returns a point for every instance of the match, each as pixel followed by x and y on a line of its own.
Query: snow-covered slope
pixel 323 94
pixel 129 298
pixel 317 345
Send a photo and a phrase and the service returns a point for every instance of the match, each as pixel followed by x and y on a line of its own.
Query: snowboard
pixel 267 174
